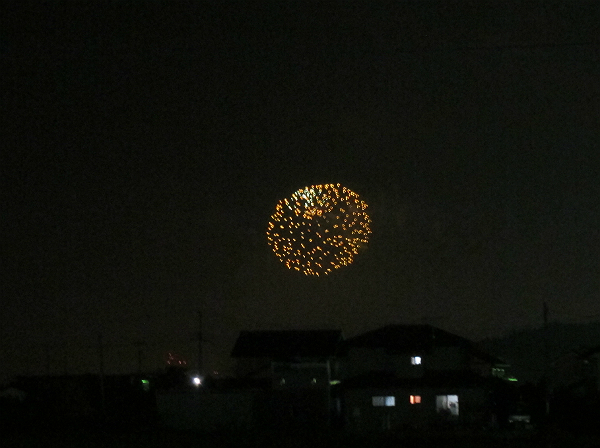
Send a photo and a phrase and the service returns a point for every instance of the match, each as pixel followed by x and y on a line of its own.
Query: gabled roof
pixel 407 338
pixel 287 344
pixel 414 339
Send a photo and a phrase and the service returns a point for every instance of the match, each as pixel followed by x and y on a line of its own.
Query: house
pixel 283 379
pixel 291 358
pixel 416 375
pixel 577 371
pixel 393 376
pixel 301 366
pixel 573 383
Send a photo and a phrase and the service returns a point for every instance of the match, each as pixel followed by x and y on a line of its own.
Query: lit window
pixel 415 360
pixel 415 399
pixel 447 404
pixel 497 372
pixel 384 401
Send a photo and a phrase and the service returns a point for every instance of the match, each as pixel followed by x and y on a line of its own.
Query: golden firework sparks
pixel 319 228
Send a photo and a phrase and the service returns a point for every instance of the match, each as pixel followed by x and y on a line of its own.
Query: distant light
pixel 146 385
pixel 415 360
pixel 512 378
pixel 197 381
pixel 145 382
pixel 334 382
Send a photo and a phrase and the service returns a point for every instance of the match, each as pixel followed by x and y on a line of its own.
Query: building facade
pixel 416 375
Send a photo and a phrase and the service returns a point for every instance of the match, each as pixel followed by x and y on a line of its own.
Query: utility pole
pixel 101 366
pixel 546 360
pixel 200 340
pixel 139 345
pixel 47 361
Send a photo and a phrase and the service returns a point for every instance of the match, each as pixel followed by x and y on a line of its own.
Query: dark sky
pixel 145 147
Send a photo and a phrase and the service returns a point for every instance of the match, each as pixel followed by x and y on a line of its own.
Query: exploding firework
pixel 319 228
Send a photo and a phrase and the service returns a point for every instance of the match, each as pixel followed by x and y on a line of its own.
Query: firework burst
pixel 319 228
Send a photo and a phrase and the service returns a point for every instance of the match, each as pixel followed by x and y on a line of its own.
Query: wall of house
pixel 253 367
pixel 361 415
pixel 363 360
pixel 360 360
pixel 300 375
pixel 446 358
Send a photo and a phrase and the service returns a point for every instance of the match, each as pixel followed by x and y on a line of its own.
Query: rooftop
pixel 287 344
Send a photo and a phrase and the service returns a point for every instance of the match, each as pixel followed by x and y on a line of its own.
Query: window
pixel 497 372
pixel 415 360
pixel 415 399
pixel 384 401
pixel 447 404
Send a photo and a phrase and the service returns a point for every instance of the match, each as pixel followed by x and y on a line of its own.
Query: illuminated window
pixel 415 399
pixel 384 401
pixel 447 404
pixel 497 372
pixel 415 360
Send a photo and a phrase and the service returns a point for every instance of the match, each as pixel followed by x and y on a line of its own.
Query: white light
pixel 384 401
pixel 197 381
pixel 416 360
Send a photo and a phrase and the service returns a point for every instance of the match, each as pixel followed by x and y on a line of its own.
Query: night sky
pixel 144 147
